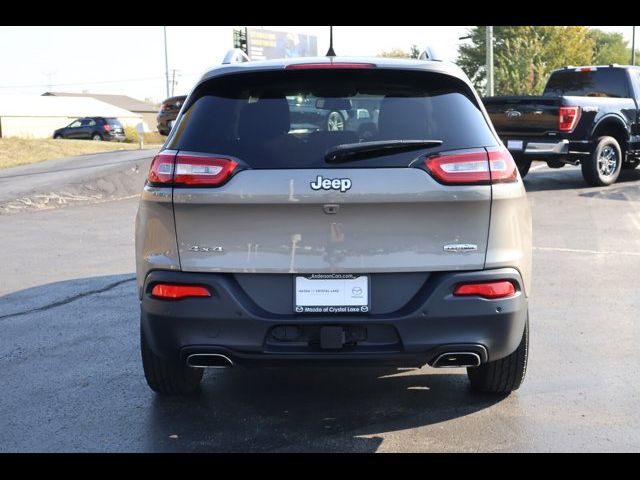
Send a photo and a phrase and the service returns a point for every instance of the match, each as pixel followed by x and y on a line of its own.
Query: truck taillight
pixel 473 168
pixel 568 118
pixel 107 127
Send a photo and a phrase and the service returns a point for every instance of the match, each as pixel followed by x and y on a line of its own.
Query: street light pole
pixel 166 60
pixel 489 61
pixel 633 46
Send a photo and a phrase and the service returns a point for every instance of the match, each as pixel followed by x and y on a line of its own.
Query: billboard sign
pixel 267 44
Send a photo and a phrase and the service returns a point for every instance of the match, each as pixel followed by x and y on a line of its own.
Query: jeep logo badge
pixel 342 184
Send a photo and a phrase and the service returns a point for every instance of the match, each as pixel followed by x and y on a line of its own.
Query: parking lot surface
pixel 72 377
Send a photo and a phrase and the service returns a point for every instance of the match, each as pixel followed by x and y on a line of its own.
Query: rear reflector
pixel 190 169
pixel 318 66
pixel 568 118
pixel 478 167
pixel 176 292
pixel 491 290
pixel 203 170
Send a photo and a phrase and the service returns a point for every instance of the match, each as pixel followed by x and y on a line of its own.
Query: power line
pixel 81 83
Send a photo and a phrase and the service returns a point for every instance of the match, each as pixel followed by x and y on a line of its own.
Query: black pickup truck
pixel 586 116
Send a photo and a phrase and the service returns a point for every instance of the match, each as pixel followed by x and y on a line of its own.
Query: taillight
pixel 161 171
pixel 502 167
pixel 568 118
pixel 460 168
pixel 107 127
pixel 176 292
pixel 473 168
pixel 321 66
pixel 491 290
pixel 190 169
pixel 202 170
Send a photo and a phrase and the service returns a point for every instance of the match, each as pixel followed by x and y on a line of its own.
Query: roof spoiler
pixel 430 53
pixel 235 55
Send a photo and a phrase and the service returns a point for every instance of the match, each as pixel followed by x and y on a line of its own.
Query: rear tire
pixel 523 165
pixel 504 375
pixel 96 137
pixel 603 166
pixel 166 376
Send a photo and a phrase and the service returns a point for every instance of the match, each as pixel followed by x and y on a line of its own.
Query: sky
pixel 131 61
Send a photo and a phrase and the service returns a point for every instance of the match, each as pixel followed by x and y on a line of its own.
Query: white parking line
pixel 590 252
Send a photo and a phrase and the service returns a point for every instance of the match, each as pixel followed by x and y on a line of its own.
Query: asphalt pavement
pixel 72 378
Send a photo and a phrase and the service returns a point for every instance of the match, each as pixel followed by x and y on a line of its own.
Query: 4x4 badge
pixel 342 184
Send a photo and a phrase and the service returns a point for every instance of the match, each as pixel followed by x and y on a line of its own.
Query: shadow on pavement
pixel 73 381
pixel 570 178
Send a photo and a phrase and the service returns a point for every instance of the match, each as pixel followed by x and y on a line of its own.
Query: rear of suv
pixel 261 241
pixel 92 128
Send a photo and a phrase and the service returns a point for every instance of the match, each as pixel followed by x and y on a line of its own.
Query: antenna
pixel 330 52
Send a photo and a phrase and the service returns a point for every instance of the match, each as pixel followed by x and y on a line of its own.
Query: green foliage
pixel 131 134
pixel 609 48
pixel 150 138
pixel 524 56
pixel 414 52
pixel 395 53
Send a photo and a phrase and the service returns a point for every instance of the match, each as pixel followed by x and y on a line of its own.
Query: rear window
pixel 113 121
pixel 603 82
pixel 289 119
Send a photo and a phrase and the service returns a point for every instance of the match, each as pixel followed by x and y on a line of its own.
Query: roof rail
pixel 430 53
pixel 235 55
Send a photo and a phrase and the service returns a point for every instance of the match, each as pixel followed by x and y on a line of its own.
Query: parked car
pixel 92 128
pixel 168 113
pixel 261 243
pixel 587 116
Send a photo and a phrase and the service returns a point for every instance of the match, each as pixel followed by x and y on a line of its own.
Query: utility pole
pixel 489 92
pixel 166 60
pixel 173 81
pixel 633 46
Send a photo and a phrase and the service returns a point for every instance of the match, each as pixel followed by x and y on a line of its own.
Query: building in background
pixel 37 116
pixel 147 110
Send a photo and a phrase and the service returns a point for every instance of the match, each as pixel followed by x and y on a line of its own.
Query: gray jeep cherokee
pixel 264 238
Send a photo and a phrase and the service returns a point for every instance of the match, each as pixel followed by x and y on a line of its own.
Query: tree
pixel 609 48
pixel 524 56
pixel 395 53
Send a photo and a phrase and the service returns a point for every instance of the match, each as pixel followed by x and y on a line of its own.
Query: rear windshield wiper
pixel 360 151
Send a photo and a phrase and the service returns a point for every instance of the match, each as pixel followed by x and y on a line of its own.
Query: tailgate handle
pixel 331 208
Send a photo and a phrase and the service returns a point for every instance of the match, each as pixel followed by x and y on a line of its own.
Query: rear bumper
pixel 432 323
pixel 547 148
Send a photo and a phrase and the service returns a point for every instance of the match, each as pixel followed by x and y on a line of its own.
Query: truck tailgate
pixel 523 116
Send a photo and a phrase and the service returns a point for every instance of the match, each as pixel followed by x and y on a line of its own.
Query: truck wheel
pixel 166 376
pixel 604 164
pixel 504 375
pixel 523 164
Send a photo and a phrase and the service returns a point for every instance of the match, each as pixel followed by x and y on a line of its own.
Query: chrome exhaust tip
pixel 457 360
pixel 209 360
